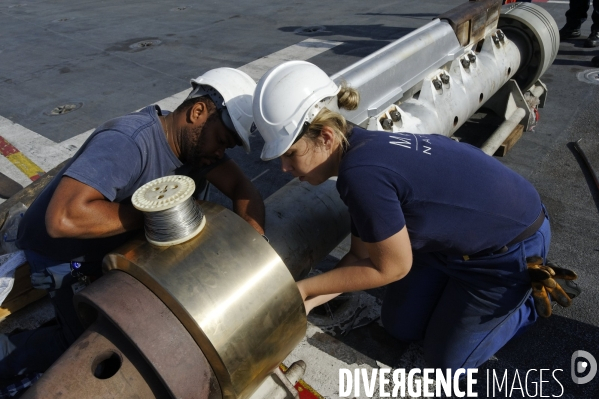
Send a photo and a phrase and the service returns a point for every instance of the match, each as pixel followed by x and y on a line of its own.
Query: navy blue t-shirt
pixel 452 197
pixel 119 157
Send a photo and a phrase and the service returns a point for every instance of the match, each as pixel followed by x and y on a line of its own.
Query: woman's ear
pixel 328 138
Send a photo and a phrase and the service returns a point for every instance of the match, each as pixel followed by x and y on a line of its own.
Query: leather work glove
pixel 543 280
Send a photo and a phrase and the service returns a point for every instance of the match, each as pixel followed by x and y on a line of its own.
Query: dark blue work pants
pixel 36 350
pixel 464 311
pixel 577 13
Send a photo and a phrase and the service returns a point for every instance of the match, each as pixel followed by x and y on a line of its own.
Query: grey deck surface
pixel 58 52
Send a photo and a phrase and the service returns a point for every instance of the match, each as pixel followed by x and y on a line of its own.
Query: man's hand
pixel 229 179
pixel 544 284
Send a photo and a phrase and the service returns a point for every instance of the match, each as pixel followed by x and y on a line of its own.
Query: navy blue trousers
pixel 464 311
pixel 577 13
pixel 35 350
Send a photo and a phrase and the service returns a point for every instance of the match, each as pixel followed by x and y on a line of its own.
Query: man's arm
pixel 77 210
pixel 247 201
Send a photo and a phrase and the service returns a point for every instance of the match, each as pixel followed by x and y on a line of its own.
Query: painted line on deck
pixel 301 51
pixel 16 157
pixel 42 151
pixel 33 149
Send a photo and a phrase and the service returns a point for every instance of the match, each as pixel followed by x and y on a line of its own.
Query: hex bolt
pixel 395 115
pixel 387 124
pixel 445 78
pixel 472 57
pixel 495 39
pixel 465 62
pixel 437 83
pixel 500 35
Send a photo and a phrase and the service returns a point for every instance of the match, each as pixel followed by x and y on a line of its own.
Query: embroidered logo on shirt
pixel 412 142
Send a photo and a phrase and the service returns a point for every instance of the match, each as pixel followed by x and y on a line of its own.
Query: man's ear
pixel 197 112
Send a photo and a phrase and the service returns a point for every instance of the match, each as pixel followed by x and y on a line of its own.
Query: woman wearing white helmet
pixel 445 226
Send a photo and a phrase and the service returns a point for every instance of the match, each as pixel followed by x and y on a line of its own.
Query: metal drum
pixel 536 34
pixel 230 290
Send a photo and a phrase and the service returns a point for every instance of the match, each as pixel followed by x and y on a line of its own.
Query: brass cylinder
pixel 305 223
pixel 231 291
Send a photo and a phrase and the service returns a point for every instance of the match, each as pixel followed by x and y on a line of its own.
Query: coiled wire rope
pixel 171 215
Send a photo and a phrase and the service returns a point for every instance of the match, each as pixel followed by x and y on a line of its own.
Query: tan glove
pixel 543 281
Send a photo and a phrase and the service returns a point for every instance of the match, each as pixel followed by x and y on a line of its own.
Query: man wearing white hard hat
pixel 85 211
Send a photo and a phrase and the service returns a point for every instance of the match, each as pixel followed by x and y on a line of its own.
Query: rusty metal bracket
pixel 472 22
pixel 507 99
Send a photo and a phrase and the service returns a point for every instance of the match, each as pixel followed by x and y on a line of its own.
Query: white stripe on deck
pixel 47 154
pixel 301 51
pixel 39 149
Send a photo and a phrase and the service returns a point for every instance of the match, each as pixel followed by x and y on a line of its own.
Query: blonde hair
pixel 347 98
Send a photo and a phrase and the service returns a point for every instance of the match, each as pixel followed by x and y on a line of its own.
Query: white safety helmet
pixel 232 92
pixel 288 97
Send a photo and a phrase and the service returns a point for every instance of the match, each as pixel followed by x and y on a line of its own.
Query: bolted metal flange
pixel 134 347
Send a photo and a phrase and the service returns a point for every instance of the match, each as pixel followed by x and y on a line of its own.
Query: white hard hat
pixel 232 92
pixel 287 97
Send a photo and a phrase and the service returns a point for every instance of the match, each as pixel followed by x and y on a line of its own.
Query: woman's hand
pixel 300 287
pixel 367 265
pixel 312 302
pixel 388 261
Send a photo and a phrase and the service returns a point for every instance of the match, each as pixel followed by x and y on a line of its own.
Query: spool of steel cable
pixel 171 216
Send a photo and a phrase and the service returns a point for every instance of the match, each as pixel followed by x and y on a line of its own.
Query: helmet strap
pixel 219 102
pixel 329 102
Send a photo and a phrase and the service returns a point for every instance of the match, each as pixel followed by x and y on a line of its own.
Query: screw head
pixel 495 39
pixel 387 124
pixel 437 83
pixel 500 35
pixel 395 115
pixel 445 78
pixel 472 57
pixel 465 62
